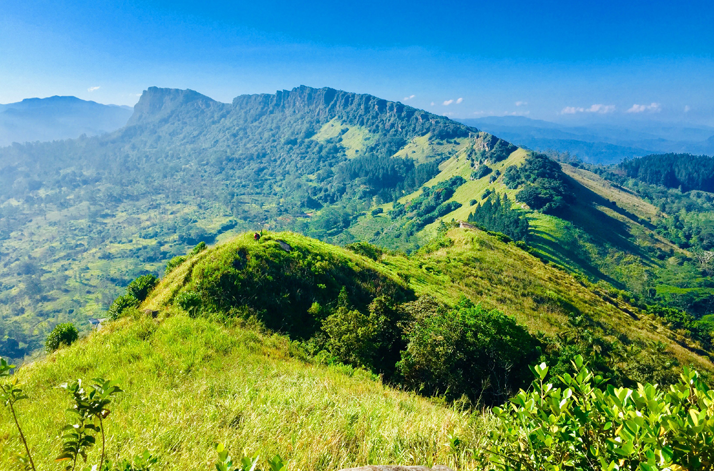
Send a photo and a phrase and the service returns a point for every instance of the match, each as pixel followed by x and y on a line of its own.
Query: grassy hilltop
pixel 211 374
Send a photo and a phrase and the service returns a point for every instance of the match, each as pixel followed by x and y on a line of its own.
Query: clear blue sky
pixel 555 60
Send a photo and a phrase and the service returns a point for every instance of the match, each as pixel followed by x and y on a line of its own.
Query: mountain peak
pixel 158 102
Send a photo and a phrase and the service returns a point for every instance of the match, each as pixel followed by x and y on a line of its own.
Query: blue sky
pixel 568 61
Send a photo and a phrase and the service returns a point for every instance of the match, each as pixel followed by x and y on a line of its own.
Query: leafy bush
pixel 189 301
pixel 121 304
pixel 63 334
pixel 366 249
pixel 586 425
pixel 200 247
pixel 173 263
pixel 142 286
pixel 481 172
pixel 468 351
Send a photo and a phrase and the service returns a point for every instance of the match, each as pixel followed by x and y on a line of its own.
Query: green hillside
pixel 261 279
pixel 80 219
pixel 202 368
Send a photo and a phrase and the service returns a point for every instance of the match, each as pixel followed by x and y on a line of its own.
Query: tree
pixel 63 334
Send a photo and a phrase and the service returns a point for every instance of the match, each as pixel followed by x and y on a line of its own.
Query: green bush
pixel 173 263
pixel 142 286
pixel 468 351
pixel 62 334
pixel 587 425
pixel 200 247
pixel 121 304
pixel 189 301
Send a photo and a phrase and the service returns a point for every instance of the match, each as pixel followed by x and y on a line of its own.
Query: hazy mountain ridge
pixel 58 117
pixel 600 143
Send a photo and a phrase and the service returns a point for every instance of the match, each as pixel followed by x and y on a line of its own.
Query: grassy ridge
pixel 191 383
pixel 496 273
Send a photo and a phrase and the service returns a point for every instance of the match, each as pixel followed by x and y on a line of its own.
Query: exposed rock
pixel 285 246
pixel 151 312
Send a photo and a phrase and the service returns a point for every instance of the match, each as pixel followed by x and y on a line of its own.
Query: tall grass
pixel 192 383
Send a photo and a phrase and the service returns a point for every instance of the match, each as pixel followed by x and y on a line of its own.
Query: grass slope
pixel 191 383
pixel 470 263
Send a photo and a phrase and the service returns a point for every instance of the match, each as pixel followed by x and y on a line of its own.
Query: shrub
pixel 121 304
pixel 586 425
pixel 141 287
pixel 481 172
pixel 173 263
pixel 189 301
pixel 200 247
pixel 63 334
pixel 468 351
pixel 377 211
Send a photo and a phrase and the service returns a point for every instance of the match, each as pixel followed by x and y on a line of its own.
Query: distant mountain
pixel 597 143
pixel 58 117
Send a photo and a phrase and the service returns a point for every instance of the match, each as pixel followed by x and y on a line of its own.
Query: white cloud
pixel 407 98
pixel 597 108
pixel 654 107
pixel 521 103
pixel 602 109
pixel 432 103
pixel 687 109
pixel 448 102
pixel 92 89
pixel 516 113
pixel 459 100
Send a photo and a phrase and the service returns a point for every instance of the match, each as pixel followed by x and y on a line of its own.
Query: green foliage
pixel 278 287
pixel 120 305
pixel 173 263
pixel 430 205
pixel 63 334
pixel 467 351
pixel 685 171
pixel 545 186
pixel 189 301
pixel 246 463
pixel 90 410
pixel 366 249
pixel 587 425
pixel 199 248
pixel 498 215
pixel 481 172
pixel 140 287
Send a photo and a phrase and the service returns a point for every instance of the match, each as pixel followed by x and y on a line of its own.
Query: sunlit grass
pixel 191 383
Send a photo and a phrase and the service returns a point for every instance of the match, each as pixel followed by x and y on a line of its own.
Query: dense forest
pixel 684 171
pixel 498 214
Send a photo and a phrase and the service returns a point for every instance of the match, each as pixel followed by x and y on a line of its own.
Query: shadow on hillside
pixel 554 251
pixel 599 225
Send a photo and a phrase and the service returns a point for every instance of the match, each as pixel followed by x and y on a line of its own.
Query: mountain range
pixel 58 117
pixel 600 143
pixel 81 218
